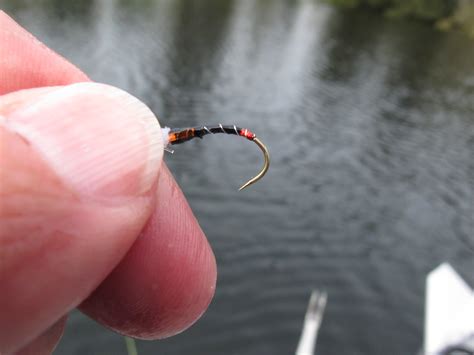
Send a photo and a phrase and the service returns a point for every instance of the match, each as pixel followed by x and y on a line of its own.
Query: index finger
pixel 173 288
pixel 27 63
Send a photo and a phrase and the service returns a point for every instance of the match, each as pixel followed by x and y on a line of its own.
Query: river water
pixel 370 125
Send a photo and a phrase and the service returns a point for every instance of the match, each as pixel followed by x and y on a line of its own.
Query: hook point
pixel 266 165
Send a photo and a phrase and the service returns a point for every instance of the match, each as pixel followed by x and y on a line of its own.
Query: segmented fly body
pixel 181 135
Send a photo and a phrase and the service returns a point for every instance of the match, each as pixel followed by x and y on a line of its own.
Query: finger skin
pixel 55 248
pixel 46 342
pixel 168 277
pixel 26 63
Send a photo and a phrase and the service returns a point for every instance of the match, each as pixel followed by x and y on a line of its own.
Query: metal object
pixel 312 323
pixel 449 313
pixel 181 135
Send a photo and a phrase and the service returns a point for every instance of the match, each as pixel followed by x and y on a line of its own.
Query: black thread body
pixel 181 135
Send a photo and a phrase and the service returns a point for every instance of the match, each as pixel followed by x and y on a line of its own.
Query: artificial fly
pixel 174 136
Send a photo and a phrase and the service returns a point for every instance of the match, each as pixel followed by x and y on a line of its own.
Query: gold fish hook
pixel 266 165
pixel 181 135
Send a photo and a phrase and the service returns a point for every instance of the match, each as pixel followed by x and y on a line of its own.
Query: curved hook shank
pixel 266 165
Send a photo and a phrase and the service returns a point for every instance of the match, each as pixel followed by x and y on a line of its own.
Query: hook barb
pixel 266 165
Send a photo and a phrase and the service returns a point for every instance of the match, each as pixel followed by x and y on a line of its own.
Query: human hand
pixel 89 215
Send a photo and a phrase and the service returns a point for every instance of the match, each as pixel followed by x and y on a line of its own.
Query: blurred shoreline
pixel 446 15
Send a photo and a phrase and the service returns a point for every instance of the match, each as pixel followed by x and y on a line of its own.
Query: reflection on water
pixel 370 126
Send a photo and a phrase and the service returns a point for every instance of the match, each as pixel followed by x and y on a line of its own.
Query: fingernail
pixel 100 140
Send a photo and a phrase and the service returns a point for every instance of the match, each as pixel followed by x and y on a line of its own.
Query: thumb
pixel 78 164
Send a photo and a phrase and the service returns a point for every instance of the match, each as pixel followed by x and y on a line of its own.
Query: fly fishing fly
pixel 174 136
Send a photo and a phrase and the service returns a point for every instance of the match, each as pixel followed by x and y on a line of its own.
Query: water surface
pixel 370 123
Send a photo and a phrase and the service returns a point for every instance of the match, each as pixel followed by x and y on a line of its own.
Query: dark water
pixel 370 123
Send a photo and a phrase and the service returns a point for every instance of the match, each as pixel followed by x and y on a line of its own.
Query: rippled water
pixel 370 123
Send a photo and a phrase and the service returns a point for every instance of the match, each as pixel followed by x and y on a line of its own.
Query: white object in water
pixel 312 322
pixel 449 313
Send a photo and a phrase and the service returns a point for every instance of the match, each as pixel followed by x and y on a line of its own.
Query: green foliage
pixel 131 346
pixel 350 4
pixel 462 18
pixel 446 14
pixel 422 9
pixel 430 10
